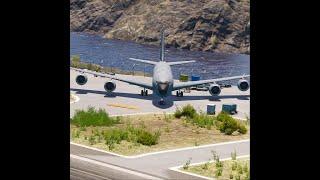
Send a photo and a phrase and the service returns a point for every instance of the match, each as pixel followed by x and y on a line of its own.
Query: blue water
pixel 116 53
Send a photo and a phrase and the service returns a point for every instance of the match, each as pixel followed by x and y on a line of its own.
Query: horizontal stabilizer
pixel 144 61
pixel 180 62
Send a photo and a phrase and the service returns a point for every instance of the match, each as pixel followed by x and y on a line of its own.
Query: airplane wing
pixel 181 85
pixel 144 61
pixel 133 82
pixel 179 62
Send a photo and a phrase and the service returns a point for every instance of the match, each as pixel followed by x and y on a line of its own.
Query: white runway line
pixel 160 152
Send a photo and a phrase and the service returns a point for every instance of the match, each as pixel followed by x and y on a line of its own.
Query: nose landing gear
pixel 161 102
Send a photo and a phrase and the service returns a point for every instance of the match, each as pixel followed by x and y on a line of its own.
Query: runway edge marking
pixel 160 152
pixel 177 168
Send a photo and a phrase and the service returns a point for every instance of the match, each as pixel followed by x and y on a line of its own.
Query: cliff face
pixel 205 25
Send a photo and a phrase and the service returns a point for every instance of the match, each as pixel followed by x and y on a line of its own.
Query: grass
pixel 76 63
pixel 173 133
pixel 92 117
pixel 229 169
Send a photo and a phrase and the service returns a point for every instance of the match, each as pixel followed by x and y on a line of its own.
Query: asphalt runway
pixel 126 99
pixel 153 166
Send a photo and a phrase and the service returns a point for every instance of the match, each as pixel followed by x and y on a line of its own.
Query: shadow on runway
pixel 113 94
pixel 155 101
pixel 210 98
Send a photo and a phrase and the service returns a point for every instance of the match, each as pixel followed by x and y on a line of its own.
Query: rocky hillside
pixel 205 25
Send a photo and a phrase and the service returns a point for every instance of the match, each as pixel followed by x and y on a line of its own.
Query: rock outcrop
pixel 204 25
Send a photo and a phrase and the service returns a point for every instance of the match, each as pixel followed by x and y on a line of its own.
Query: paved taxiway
pixel 154 166
pixel 93 94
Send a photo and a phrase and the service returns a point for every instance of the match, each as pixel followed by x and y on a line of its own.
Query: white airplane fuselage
pixel 162 80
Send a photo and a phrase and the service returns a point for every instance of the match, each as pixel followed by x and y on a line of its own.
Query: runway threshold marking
pixel 123 106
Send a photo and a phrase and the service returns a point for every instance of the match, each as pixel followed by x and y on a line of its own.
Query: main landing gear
pixel 179 94
pixel 144 92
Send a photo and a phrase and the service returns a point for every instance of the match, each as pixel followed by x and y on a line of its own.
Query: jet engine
pixel 214 89
pixel 243 85
pixel 110 86
pixel 81 79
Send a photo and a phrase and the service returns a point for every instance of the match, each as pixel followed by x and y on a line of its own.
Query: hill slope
pixel 205 25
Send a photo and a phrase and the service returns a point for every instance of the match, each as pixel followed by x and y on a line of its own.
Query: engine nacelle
pixel 110 86
pixel 243 85
pixel 214 89
pixel 81 79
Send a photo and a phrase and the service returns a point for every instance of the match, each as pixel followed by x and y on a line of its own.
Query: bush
pixel 178 113
pixel 92 140
pixel 218 172
pixel 130 134
pixel 114 136
pixel 91 117
pixel 146 138
pixel 227 124
pixel 242 129
pixel 202 120
pixel 187 111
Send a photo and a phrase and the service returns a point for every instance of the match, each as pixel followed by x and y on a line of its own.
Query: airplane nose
pixel 163 86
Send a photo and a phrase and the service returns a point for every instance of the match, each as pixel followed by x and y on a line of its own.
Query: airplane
pixel 162 83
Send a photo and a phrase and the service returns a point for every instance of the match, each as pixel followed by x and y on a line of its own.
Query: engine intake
pixel 243 85
pixel 214 89
pixel 110 86
pixel 81 79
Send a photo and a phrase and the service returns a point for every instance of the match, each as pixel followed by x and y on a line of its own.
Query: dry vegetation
pixel 175 133
pixel 232 169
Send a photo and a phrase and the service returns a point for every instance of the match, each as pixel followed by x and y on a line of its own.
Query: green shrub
pixel 114 136
pixel 146 138
pixel 231 176
pixel 202 120
pixel 92 140
pixel 91 117
pixel 131 134
pixel 218 172
pixel 186 111
pixel 178 113
pixel 227 124
pixel 189 111
pixel 242 129
pixel 206 165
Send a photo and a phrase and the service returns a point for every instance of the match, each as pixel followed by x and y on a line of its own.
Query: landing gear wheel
pixel 142 93
pixel 146 92
pixel 179 94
